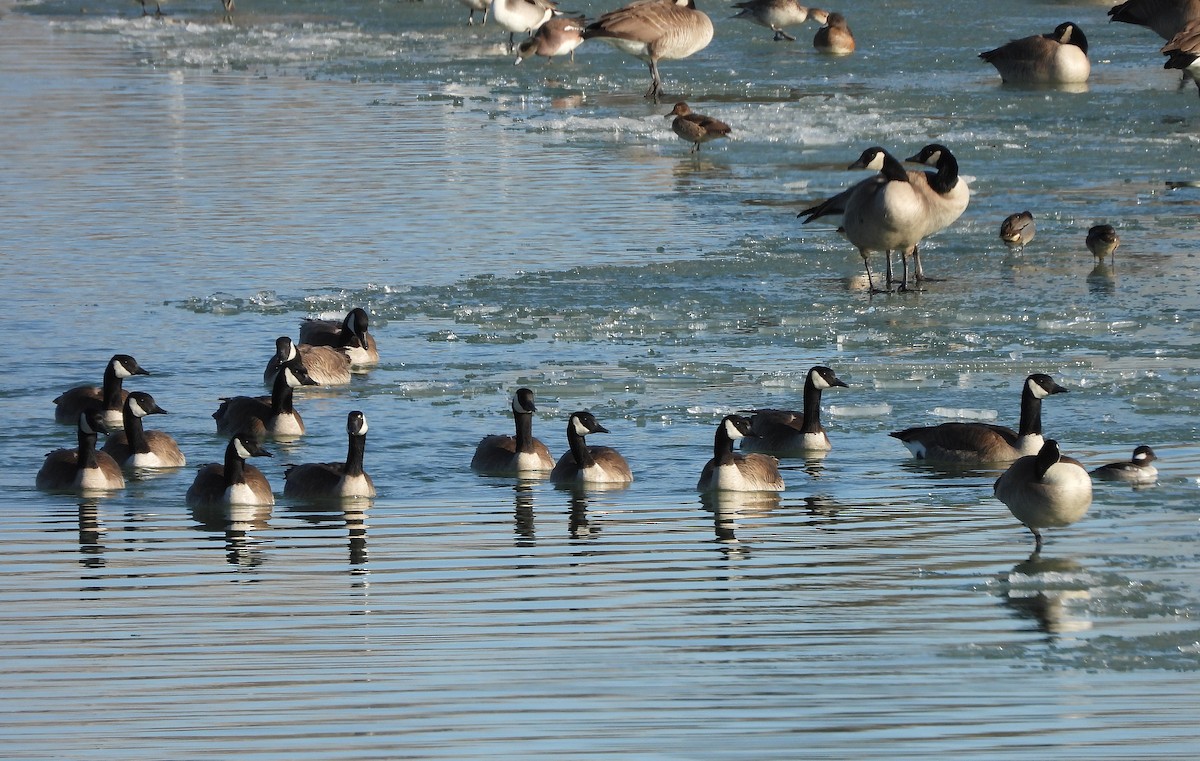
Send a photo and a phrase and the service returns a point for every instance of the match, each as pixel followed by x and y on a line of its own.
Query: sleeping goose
pixel 110 397
pixel 654 30
pixel 1056 58
pixel 335 480
pixel 731 471
pixel 773 14
pixel 783 432
pixel 326 365
pixel 233 482
pixel 351 335
pixel 261 416
pixel 981 443
pixel 583 464
pixel 835 37
pixel 521 454
pixel 136 447
pixel 82 469
pixel 1045 490
pixel 1136 470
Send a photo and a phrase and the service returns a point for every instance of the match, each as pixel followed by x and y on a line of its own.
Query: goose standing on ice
pixel 1045 490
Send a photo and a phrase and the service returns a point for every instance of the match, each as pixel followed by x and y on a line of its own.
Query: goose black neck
pixel 722 446
pixel 354 455
pixel 893 169
pixel 111 390
pixel 135 434
pixel 579 448
pixel 281 394
pixel 524 423
pixel 947 174
pixel 812 408
pixel 235 466
pixel 87 449
pixel 1031 413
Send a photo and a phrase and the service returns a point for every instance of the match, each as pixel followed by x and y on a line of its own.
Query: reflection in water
pixel 523 513
pixel 352 514
pixel 236 521
pixel 1102 279
pixel 727 508
pixel 1046 590
pixel 579 525
pixel 91 531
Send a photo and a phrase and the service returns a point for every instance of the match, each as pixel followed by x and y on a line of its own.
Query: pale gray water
pixel 187 191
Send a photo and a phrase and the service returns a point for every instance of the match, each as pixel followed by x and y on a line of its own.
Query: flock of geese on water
pixel 1042 487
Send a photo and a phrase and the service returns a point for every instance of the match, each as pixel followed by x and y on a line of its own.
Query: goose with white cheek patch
pixel 352 335
pixel 1058 58
pixel 135 447
pixel 83 469
pixel 335 480
pixel 731 471
pixel 109 397
pixel 234 482
pixel 787 432
pixel 652 31
pixel 1045 490
pixel 947 193
pixel 584 464
pixel 521 454
pixel 1137 470
pixel 983 443
pixel 263 416
pixel 326 365
pixel 887 212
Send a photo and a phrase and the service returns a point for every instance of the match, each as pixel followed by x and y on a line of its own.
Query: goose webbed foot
pixel 782 35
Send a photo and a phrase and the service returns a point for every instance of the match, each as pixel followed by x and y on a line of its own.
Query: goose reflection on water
pixel 728 507
pixel 236 522
pixel 1052 592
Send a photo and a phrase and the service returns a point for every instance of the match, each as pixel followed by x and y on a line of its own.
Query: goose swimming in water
pixel 82 469
pixel 731 471
pixel 326 365
pixel 261 416
pixel 109 397
pixel 335 480
pixel 352 335
pixel 784 432
pixel 982 443
pixel 586 464
pixel 521 454
pixel 136 447
pixel 233 482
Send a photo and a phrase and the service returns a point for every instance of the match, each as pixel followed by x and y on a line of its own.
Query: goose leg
pixel 870 281
pixel 782 35
pixel 655 82
pixel 1037 537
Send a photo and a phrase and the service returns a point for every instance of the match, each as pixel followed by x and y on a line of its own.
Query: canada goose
pixel 1017 230
pixel 1102 241
pixel 589 464
pixel 696 128
pixel 335 480
pixel 835 37
pixel 262 416
pixel 558 36
pixel 1183 52
pixel 82 469
pixel 773 14
pixel 1136 470
pixel 885 213
pixel 476 5
pixel 136 447
pixel 948 193
pixel 234 482
pixel 787 431
pixel 519 454
pixel 979 443
pixel 1045 490
pixel 1056 58
pixel 654 30
pixel 523 16
pixel 351 335
pixel 730 471
pixel 110 397
pixel 1166 18
pixel 326 365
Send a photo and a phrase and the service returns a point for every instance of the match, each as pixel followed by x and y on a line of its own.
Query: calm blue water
pixel 186 190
